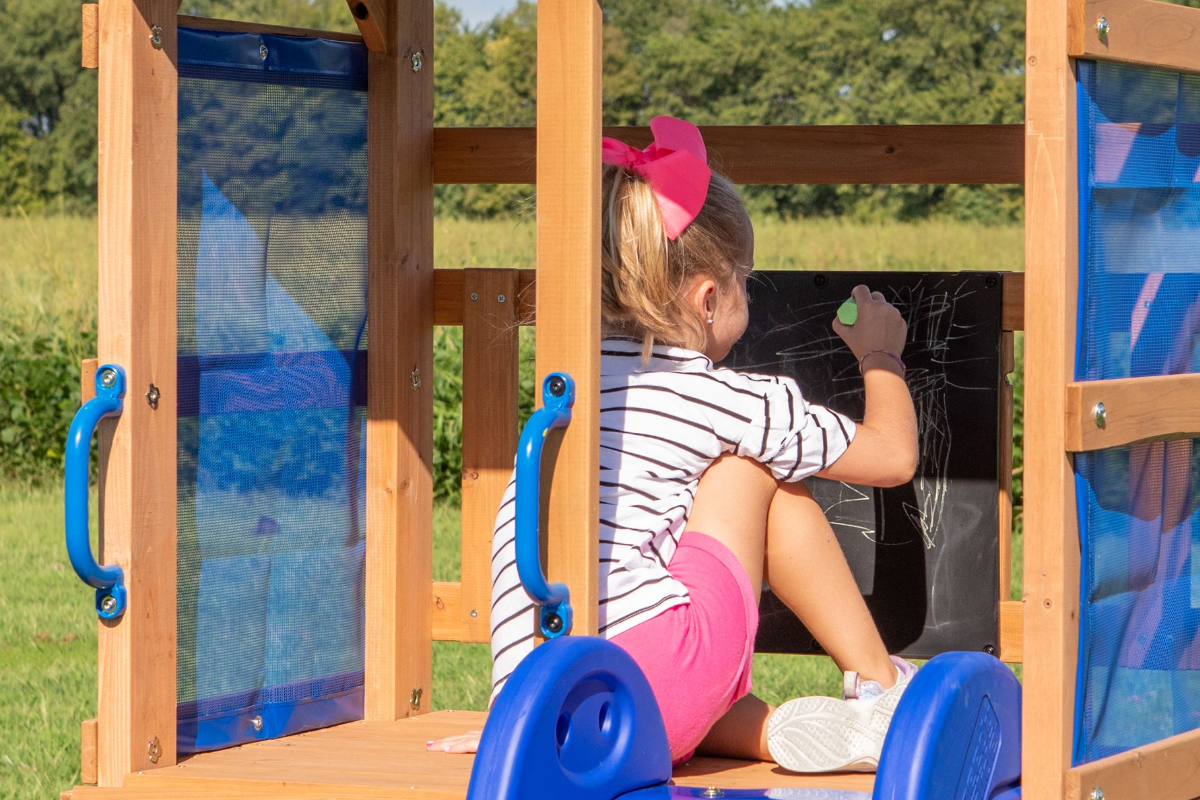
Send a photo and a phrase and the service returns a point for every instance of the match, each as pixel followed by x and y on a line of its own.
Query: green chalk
pixel 848 312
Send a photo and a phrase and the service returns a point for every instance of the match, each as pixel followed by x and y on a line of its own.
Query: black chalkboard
pixel 925 555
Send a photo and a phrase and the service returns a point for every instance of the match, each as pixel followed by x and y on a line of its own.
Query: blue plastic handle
pixel 109 581
pixel 558 395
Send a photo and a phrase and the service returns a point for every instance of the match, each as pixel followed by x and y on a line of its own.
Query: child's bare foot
pixel 463 743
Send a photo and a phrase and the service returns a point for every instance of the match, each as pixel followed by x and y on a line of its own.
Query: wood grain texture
pixel 1013 318
pixel 87 751
pixel 1143 32
pixel 1012 631
pixel 1051 535
pixel 1166 770
pixel 137 110
pixel 371 18
pixel 1149 409
pixel 239 26
pixel 447 611
pixel 568 284
pixel 815 154
pixel 87 379
pixel 400 389
pixel 1007 358
pixel 489 429
pixel 90 40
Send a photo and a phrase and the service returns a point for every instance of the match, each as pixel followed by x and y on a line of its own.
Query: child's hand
pixel 463 743
pixel 879 325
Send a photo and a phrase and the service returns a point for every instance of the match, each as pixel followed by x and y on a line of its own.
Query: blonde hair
pixel 644 274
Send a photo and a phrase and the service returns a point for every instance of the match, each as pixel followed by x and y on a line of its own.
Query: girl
pixel 701 492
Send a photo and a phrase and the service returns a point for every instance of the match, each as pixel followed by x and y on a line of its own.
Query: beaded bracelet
pixel 895 357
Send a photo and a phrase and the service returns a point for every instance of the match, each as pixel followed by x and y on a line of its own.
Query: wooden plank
pixel 90 41
pixel 371 18
pixel 87 751
pixel 779 154
pixel 400 390
pixel 489 429
pixel 238 26
pixel 1007 365
pixel 1012 631
pixel 87 379
pixel 1166 770
pixel 731 774
pixel 137 110
pixel 568 285
pixel 1051 273
pixel 1013 313
pixel 1150 409
pixel 1142 32
pixel 447 612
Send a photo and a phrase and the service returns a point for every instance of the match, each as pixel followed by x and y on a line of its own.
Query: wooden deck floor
pixel 371 760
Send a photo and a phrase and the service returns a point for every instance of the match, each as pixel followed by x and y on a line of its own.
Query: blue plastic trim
pixel 576 721
pixel 291 60
pixel 956 734
pixel 558 396
pixel 109 581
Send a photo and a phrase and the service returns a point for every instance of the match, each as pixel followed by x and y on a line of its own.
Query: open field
pixel 47 624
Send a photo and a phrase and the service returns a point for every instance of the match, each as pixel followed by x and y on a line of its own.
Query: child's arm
pixel 884 449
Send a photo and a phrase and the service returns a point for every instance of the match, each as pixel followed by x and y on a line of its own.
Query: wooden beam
pixel 87 751
pixel 90 41
pixel 489 429
pixel 1149 409
pixel 238 26
pixel 815 154
pixel 1012 632
pixel 1165 770
pixel 1142 32
pixel 87 379
pixel 1051 530
pixel 371 18
pixel 138 113
pixel 1006 464
pixel 1013 313
pixel 400 389
pixel 568 287
pixel 447 612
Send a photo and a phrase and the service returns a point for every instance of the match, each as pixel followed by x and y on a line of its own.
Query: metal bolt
pixel 156 37
pixel 990 649
pixel 154 750
pixel 1102 28
pixel 554 623
pixel 1097 794
pixel 108 378
pixel 474 613
pixel 712 791
pixel 415 377
pixel 557 386
pixel 152 395
pixel 108 604
pixel 256 721
pixel 416 60
pixel 1100 414
pixel 414 702
pixel 474 296
pixel 262 52
pixel 500 298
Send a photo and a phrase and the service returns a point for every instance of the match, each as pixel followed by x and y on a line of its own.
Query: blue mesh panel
pixel 1139 676
pixel 272 385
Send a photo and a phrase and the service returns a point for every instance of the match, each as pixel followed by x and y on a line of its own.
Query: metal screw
pixel 1097 794
pixel 1102 28
pixel 108 604
pixel 554 623
pixel 474 296
pixel 557 386
pixel 820 280
pixel 152 396
pixel 712 791
pixel 990 649
pixel 108 378
pixel 416 60
pixel 1100 414
pixel 262 52
pixel 415 377
pixel 154 750
pixel 500 298
pixel 156 37
pixel 414 702
pixel 256 721
pixel 474 613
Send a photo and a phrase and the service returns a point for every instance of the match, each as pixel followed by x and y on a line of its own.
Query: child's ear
pixel 702 296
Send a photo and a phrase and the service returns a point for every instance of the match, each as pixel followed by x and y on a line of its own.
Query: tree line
pixel 743 62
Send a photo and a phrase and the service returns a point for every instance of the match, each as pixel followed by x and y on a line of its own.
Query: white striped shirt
pixel 661 425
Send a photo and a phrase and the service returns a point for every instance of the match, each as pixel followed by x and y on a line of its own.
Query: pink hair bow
pixel 675 165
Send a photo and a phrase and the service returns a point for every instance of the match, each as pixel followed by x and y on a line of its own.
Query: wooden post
pixel 400 390
pixel 568 281
pixel 138 111
pixel 1051 529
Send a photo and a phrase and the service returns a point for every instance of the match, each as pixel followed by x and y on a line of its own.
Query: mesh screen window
pixel 272 385
pixel 1139 149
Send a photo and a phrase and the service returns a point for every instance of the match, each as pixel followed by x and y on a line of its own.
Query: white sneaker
pixel 824 734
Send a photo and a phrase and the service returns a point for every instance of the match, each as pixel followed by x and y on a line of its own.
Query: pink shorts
pixel 697 657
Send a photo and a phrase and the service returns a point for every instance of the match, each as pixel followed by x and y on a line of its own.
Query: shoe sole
pixel 824 734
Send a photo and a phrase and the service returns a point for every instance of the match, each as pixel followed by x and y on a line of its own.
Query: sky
pixel 478 11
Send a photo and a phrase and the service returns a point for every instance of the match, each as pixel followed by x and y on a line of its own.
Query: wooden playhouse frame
pixel 131 743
